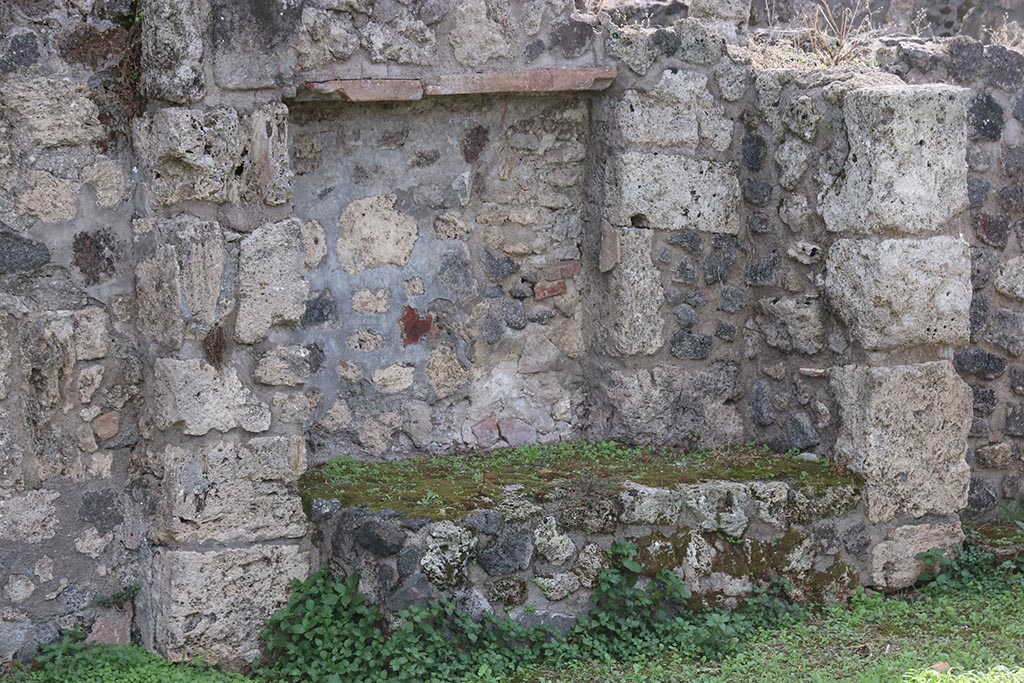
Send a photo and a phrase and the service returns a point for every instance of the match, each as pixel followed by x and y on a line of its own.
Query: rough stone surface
pixel 648 185
pixel 374 233
pixel 906 171
pixel 213 604
pixel 448 549
pixel 272 283
pixel 635 295
pixel 894 563
pixel 199 398
pixel 229 492
pixel 57 111
pixel 904 429
pixel 172 51
pixel 899 293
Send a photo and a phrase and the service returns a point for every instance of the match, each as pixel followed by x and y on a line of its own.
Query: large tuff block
pixel 664 405
pixel 679 110
pixel 634 295
pixel 229 492
pixel 178 287
pixel 272 282
pixel 172 51
pixel 672 192
pixel 199 397
pixel 904 429
pixel 894 563
pixel 213 604
pixel 192 154
pixel 900 293
pixel 58 112
pixel 906 170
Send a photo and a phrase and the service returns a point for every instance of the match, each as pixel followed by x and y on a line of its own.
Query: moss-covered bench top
pixel 447 487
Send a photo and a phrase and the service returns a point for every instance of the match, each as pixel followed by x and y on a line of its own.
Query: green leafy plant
pixel 118 599
pixel 72 660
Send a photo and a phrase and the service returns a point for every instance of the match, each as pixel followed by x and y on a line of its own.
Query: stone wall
pixel 386 229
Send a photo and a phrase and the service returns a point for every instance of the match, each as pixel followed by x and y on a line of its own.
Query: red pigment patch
pixel 413 326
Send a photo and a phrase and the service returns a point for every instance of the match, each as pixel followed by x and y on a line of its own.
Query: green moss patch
pixel 447 487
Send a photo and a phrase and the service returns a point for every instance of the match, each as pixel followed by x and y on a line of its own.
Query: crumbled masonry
pixel 246 238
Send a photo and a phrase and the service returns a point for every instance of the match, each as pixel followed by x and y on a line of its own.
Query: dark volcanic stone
pixel 977 190
pixel 1011 199
pixel 409 559
pixel 573 37
pixel 978 316
pixel 759 224
pixel 801 432
pixel 762 411
pixel 380 537
pixel 985 117
pixel 992 230
pixel 983 262
pixel 1017 379
pixel 690 346
pixel 520 290
pixel 689 240
pixel 719 264
pixel 979 428
pixel 686 315
pixel 984 400
pixel 754 149
pixel 497 268
pixel 511 551
pixel 1006 330
pixel 967 58
pixel 102 509
pixel 761 271
pixel 980 363
pixel 757 192
pixel 1018 108
pixel 1013 158
pixel 731 299
pixel 415 590
pixel 493 330
pixel 515 314
pixel 95 255
pixel 982 496
pixel 22 50
pixel 685 271
pixel 1015 420
pixel 533 50
pixel 320 309
pixel 666 42
pixel 483 521
pixel 725 331
pixel 1005 66
pixel 18 254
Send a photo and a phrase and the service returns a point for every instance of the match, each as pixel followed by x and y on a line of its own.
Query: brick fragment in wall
pixel 901 293
pixel 904 429
pixel 906 170
pixel 646 186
